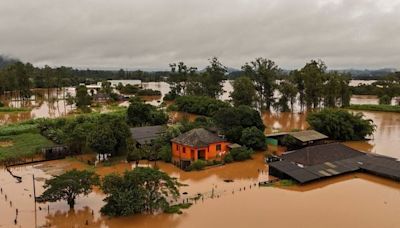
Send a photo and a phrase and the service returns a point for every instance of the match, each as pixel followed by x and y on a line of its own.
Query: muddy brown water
pixel 355 200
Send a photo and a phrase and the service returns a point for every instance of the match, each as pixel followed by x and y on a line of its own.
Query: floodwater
pixel 355 200
pixel 51 103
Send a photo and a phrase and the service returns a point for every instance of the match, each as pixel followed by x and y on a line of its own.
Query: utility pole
pixel 34 198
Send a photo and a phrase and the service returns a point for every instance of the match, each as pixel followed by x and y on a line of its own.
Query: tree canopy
pixel 340 124
pixel 68 186
pixel 142 190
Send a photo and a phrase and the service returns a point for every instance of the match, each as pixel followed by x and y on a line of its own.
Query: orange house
pixel 197 144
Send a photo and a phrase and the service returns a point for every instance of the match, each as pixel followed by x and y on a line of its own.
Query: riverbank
pixel 373 107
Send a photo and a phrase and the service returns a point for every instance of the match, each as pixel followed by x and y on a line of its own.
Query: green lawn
pixel 22 145
pixel 372 107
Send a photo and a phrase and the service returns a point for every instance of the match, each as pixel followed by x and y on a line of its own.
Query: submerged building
pixel 197 144
pixel 322 161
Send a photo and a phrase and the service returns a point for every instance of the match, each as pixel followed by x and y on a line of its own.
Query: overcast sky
pixel 150 34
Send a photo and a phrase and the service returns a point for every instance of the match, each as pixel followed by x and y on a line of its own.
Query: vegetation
pixel 372 107
pixel 340 124
pixel 244 92
pixel 22 145
pixel 68 186
pixel 197 165
pixel 140 114
pixel 186 80
pixel 142 190
pixel 82 99
pixel 176 209
pixel 239 154
pixel 199 105
pixel 128 89
pixel 148 92
pixel 134 154
pixel 254 138
pixel 233 120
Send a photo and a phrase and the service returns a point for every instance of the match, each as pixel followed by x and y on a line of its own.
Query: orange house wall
pixel 210 151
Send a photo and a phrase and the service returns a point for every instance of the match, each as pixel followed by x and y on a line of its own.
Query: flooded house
pixel 197 144
pixel 328 160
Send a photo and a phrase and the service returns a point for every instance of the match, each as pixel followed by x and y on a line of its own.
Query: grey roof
pixel 308 135
pixel 198 137
pixel 319 154
pixel 144 135
pixel 340 161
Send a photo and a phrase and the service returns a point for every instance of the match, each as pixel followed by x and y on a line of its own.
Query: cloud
pixel 150 34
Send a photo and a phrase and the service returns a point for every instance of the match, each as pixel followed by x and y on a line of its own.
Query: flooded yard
pixel 355 200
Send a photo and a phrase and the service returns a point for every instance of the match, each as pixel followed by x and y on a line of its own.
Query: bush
pixel 340 124
pixel 241 153
pixel 149 92
pixel 140 113
pixel 197 165
pixel 228 158
pixel 253 138
pixel 170 96
pixel 166 153
pixel 385 99
pixel 200 105
pixel 1 104
pixel 129 89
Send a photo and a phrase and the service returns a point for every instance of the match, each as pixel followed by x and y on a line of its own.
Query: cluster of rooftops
pixel 314 159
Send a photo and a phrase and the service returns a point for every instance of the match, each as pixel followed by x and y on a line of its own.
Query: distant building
pixel 146 135
pixel 197 144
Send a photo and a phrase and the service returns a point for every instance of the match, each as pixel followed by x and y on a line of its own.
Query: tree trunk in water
pixel 71 203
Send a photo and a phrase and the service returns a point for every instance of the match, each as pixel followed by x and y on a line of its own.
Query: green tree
pixel 82 99
pixel 142 190
pixel 254 138
pixel 213 78
pixel 385 99
pixel 340 124
pixel 288 96
pixel 106 87
pixel 244 92
pixel 239 154
pixel 134 153
pixel 263 72
pixel 68 186
pixel 102 140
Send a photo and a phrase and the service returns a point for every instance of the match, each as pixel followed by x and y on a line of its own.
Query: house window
pixel 218 147
pixel 184 149
pixel 177 147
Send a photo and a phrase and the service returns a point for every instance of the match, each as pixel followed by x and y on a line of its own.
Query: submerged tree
pixel 68 186
pixel 244 92
pixel 142 190
pixel 264 73
pixel 340 124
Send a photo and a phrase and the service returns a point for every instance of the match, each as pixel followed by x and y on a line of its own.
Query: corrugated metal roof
pixel 308 135
pixel 144 135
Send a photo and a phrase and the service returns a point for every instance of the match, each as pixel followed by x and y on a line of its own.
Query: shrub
pixel 228 158
pixel 254 138
pixel 129 89
pixel 241 153
pixel 166 153
pixel 149 92
pixel 1 104
pixel 385 99
pixel 197 165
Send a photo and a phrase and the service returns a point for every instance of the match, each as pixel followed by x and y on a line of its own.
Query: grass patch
pixel 372 107
pixel 24 145
pixel 177 208
pixel 18 128
pixel 286 183
pixel 8 109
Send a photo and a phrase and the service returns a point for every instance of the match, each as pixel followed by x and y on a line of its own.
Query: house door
pixel 202 154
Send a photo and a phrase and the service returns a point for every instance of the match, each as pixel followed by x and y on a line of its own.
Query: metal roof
pixel 308 135
pixel 144 135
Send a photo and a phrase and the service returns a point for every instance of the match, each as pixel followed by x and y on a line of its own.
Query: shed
pixel 145 135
